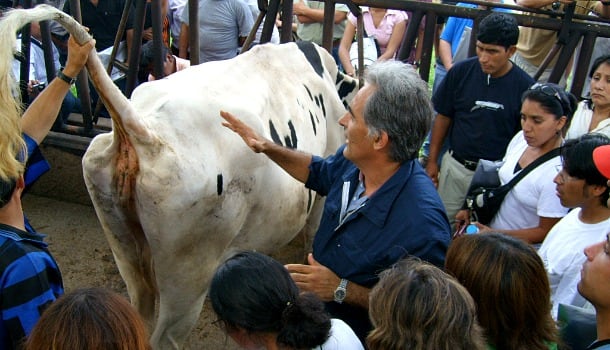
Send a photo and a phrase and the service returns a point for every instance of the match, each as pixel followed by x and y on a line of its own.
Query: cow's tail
pixel 125 121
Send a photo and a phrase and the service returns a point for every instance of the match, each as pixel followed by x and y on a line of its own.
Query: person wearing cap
pixel 601 158
pixel 579 185
pixel 30 278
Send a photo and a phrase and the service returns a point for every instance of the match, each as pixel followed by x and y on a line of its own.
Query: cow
pixel 176 192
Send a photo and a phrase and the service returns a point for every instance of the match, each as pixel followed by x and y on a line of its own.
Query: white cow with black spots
pixel 176 192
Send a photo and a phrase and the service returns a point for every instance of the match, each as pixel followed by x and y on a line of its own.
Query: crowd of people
pixel 384 272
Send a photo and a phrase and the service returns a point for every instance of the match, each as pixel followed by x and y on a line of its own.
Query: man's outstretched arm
pixel 295 163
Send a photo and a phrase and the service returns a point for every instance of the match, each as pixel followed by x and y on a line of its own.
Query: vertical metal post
pixel 157 28
pixel 286 33
pixel 24 68
pixel 193 6
pixel 429 34
pixel 410 35
pixel 134 54
pixel 47 49
pixel 329 23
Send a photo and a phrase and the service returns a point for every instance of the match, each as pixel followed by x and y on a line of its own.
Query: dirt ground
pixel 59 207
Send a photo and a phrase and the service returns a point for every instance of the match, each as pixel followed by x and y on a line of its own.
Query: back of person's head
pixel 89 319
pixel 509 284
pixel 147 59
pixel 400 106
pixel 553 99
pixel 415 306
pixel 147 55
pixel 577 160
pixel 255 293
pixel 499 29
pixel 7 187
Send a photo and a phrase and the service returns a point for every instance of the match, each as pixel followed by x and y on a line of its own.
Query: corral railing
pixel 572 29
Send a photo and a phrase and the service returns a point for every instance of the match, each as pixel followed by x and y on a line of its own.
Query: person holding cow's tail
pixel 380 204
pixel 30 277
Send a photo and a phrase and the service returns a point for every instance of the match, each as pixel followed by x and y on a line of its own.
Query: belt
pixel 468 164
pixel 336 42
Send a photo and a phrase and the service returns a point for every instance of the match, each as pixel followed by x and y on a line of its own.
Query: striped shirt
pixel 29 281
pixel 29 276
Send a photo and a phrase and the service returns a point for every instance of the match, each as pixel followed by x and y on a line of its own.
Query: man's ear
pixel 381 140
pixel 598 190
pixel 511 50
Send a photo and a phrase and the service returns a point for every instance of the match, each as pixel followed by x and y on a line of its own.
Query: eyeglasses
pixel 552 92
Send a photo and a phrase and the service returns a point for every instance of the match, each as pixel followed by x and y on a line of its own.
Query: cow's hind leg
pixel 182 281
pixel 132 256
pixel 122 229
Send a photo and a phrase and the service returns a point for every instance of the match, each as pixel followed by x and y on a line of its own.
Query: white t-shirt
pixel 562 254
pixel 532 197
pixel 582 120
pixel 342 337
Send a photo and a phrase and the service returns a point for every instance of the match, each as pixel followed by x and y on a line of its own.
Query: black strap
pixel 533 165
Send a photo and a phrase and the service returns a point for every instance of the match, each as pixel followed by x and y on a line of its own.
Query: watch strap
pixel 341 291
pixel 67 79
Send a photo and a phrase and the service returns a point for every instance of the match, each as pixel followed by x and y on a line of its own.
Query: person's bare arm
pixel 444 52
pixel 322 281
pixel 536 4
pixel 530 235
pixel 437 137
pixel 398 32
pixel 294 162
pixel 38 119
pixel 344 47
pixel 183 41
pixel 305 14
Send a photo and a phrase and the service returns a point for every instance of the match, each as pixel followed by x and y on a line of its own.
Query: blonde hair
pixel 11 142
pixel 417 306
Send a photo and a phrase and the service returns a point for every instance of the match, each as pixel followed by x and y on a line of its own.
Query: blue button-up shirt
pixel 405 217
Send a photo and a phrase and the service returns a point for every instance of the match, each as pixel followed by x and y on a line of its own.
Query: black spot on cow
pixel 219 184
pixel 345 88
pixel 291 141
pixel 322 105
pixel 309 200
pixel 274 135
pixel 312 55
pixel 313 123
pixel 308 92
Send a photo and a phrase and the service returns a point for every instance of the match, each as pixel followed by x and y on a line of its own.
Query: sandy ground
pixel 59 207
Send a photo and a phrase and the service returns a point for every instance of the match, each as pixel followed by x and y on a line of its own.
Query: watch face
pixel 339 294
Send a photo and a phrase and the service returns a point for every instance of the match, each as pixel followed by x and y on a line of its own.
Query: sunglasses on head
pixel 549 90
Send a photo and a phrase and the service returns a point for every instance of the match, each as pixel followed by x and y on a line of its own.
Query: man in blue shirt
pixel 380 205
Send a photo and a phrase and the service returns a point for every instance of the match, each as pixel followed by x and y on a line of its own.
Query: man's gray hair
pixel 400 106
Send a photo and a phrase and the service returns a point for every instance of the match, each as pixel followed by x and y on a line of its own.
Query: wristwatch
pixel 67 79
pixel 341 291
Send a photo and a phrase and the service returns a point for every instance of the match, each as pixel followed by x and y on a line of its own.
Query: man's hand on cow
pixel 315 278
pixel 250 137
